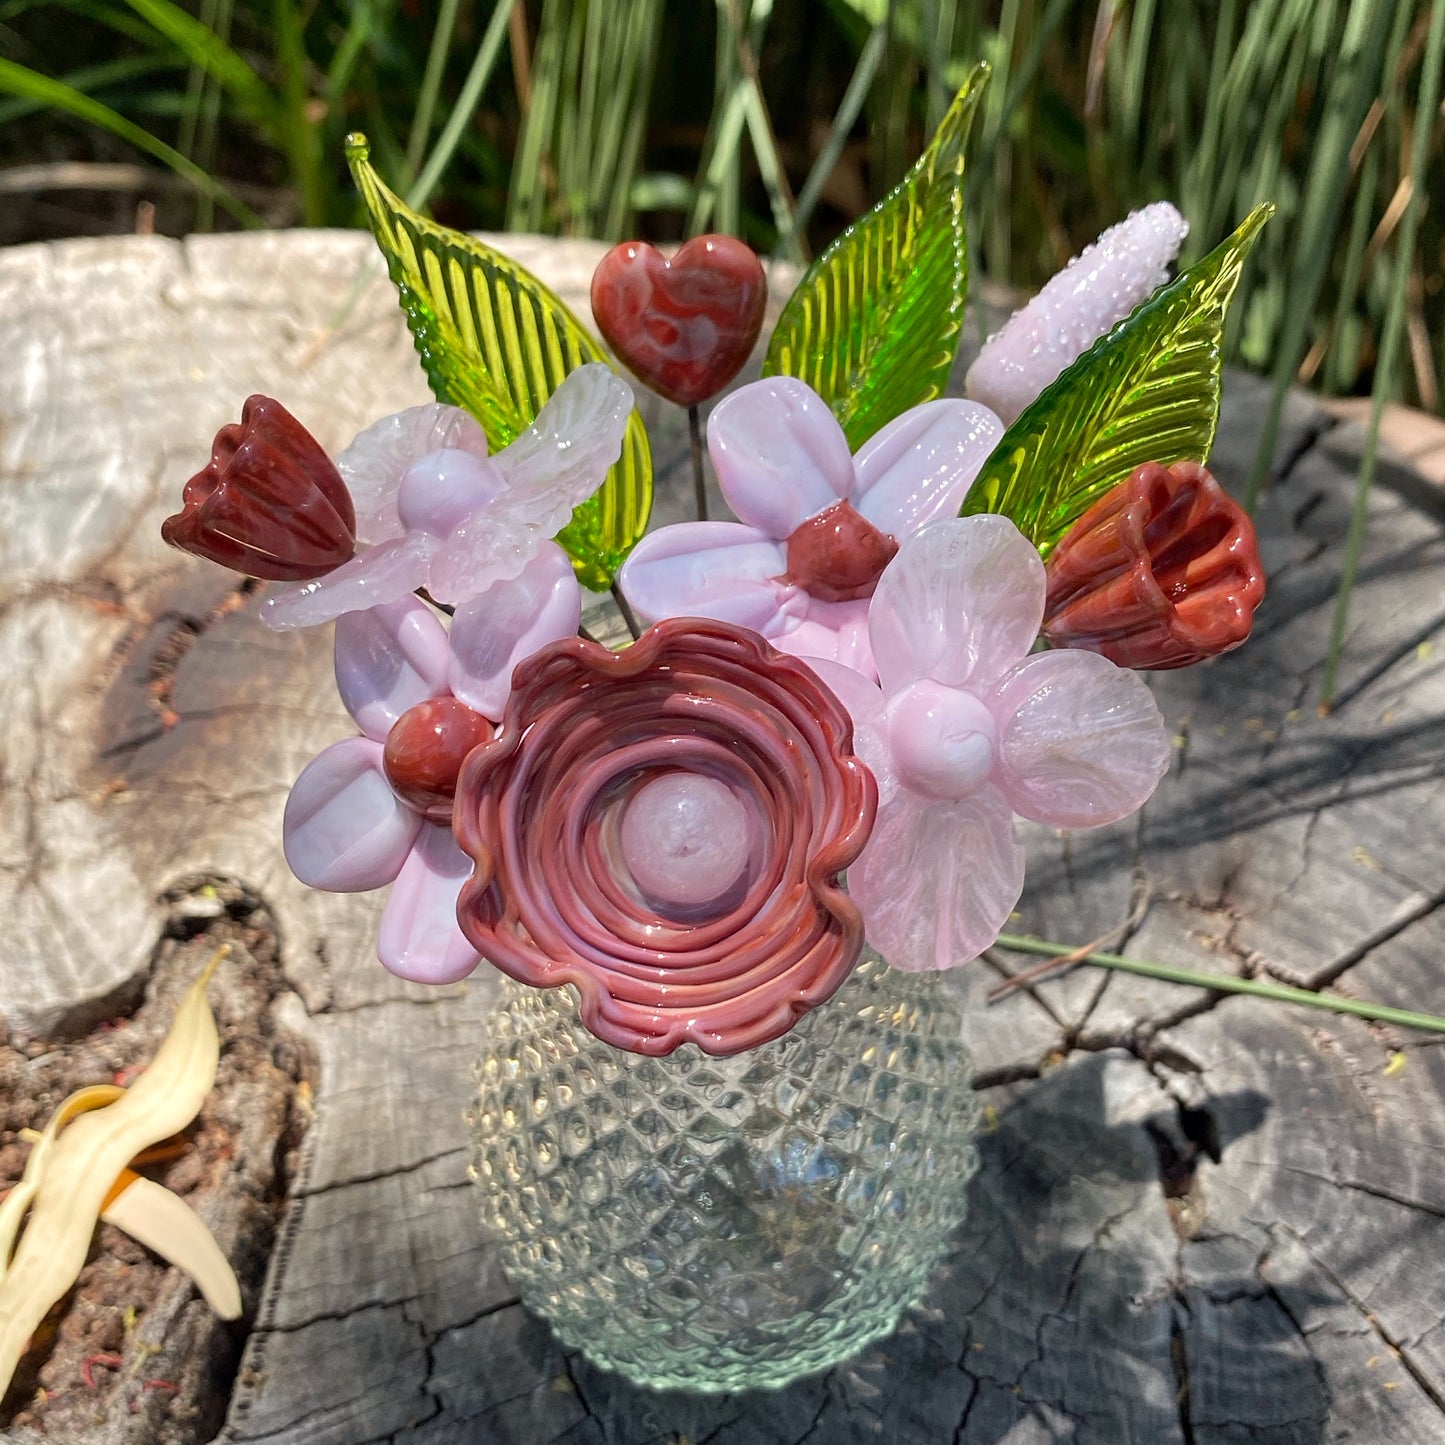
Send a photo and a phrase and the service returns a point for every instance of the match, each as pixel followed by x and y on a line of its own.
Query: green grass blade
pixel 203 47
pixel 431 81
pixel 461 114
pixel 28 84
pixel 1147 392
pixel 874 325
pixel 494 340
pixel 849 109
pixel 1393 336
pixel 1230 983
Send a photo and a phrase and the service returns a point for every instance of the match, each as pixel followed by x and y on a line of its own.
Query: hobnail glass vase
pixel 717 1224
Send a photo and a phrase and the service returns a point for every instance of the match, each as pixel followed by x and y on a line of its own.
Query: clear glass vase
pixel 723 1224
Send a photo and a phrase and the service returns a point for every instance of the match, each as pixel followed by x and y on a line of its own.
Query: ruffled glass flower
pixel 1161 572
pixel 269 503
pixel 817 525
pixel 442 515
pixel 664 829
pixel 968 730
pixel 1083 302
pixel 376 809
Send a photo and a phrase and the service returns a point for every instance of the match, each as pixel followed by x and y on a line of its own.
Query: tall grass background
pixel 782 121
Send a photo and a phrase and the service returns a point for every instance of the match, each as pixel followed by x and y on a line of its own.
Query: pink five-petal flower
pixel 376 809
pixel 967 730
pixel 440 514
pixel 816 525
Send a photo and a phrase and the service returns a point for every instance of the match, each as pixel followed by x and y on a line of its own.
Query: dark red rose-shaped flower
pixel 269 504
pixel 1162 571
pixel 664 828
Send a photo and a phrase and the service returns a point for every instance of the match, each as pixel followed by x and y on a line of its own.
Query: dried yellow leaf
pixel 68 1186
pixel 164 1222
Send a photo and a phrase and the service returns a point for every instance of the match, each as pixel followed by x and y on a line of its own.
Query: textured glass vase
pixel 726 1224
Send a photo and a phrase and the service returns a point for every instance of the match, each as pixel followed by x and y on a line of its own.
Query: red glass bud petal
pixel 425 750
pixel 270 503
pixel 1162 571
pixel 838 555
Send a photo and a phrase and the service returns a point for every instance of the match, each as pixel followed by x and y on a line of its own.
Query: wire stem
pixel 628 615
pixel 699 481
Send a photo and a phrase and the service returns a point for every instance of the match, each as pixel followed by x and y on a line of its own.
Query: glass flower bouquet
pixel 749 839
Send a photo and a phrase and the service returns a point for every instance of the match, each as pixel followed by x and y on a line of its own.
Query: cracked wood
pixel 1198 1221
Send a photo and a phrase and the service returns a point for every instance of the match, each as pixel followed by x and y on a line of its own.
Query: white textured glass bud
pixel 1085 301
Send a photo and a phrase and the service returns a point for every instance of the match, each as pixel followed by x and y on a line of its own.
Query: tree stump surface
pixel 1200 1220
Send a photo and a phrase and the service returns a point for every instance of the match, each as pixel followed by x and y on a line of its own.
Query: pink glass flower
pixel 376 809
pixel 1083 302
pixel 968 730
pixel 817 526
pixel 440 514
pixel 664 829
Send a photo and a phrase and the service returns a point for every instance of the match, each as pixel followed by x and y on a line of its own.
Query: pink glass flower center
pixel 943 740
pixel 443 488
pixel 425 750
pixel 685 840
pixel 838 555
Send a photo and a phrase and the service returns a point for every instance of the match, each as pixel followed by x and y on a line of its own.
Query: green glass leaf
pixel 874 325
pixel 497 342
pixel 1146 392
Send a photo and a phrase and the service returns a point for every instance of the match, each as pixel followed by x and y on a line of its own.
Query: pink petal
pixel 712 569
pixel 561 459
pixel 373 465
pixel 864 701
pixel 920 466
pixel 836 630
pixel 780 454
pixel 388 659
pixel 938 881
pixel 344 829
pixel 381 574
pixel 960 603
pixel 419 938
pixel 492 633
pixel 1081 742
pixel 1085 301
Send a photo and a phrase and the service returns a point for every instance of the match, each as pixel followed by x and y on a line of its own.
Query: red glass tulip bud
pixel 1161 572
pixel 269 504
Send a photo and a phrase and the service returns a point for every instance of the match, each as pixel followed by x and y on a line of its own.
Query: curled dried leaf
pixel 70 1176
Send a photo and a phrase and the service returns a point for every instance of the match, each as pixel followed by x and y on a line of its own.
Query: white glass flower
pixel 441 514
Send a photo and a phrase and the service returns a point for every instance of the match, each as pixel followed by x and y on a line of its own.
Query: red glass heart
pixel 425 750
pixel 685 326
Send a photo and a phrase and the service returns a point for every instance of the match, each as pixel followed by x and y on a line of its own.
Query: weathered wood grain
pixel 1116 1281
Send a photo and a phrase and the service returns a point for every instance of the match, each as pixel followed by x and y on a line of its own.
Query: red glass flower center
pixel 839 555
pixel 425 750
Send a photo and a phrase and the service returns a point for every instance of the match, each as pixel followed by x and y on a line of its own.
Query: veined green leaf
pixel 1147 392
pixel 874 325
pixel 497 342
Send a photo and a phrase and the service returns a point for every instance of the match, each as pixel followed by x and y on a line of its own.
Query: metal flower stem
pixel 1224 983
pixel 699 481
pixel 628 615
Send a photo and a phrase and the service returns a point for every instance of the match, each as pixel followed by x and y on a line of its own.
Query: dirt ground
pixel 133 1347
